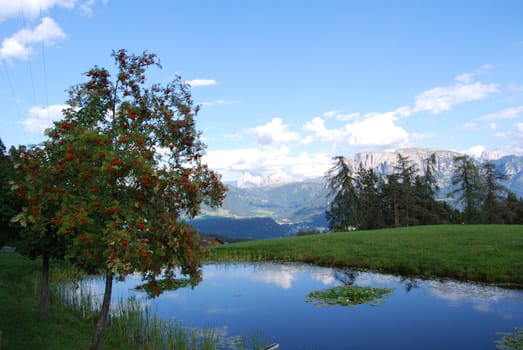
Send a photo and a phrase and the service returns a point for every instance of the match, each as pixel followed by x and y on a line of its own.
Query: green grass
pixel 71 317
pixel 482 253
pixel 63 329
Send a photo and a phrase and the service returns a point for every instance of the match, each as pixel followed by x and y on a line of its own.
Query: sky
pixel 284 85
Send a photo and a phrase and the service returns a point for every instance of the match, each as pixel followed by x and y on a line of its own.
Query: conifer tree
pixel 469 189
pixel 344 209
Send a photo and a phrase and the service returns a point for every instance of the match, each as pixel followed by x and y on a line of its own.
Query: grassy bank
pixel 71 318
pixel 63 328
pixel 482 253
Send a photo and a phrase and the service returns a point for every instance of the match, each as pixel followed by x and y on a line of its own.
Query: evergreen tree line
pixel 361 199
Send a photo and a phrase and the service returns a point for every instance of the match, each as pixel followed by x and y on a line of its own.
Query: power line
pixel 26 42
pixel 10 84
pixel 45 65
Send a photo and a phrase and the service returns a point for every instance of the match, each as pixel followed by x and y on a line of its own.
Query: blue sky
pixel 285 85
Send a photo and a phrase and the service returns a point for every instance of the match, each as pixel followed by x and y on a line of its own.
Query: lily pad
pixel 511 341
pixel 348 296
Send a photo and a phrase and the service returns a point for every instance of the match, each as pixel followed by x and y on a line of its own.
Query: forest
pixel 361 200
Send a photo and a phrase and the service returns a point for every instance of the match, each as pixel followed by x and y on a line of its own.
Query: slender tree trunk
pixel 44 293
pixel 100 325
pixel 396 215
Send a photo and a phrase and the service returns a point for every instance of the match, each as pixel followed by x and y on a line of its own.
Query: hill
pixel 301 206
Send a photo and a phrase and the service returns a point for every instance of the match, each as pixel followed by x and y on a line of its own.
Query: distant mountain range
pixel 300 206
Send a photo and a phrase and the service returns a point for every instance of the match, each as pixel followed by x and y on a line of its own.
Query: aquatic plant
pixel 348 296
pixel 511 341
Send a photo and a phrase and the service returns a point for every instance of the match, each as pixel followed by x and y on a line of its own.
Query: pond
pixel 270 299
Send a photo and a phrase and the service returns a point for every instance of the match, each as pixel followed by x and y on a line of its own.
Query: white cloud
pixel 417 137
pixel 20 44
pixel 86 7
pixel 513 139
pixel 405 111
pixel 375 129
pixel 469 125
pixel 31 8
pixel 273 132
pixel 443 98
pixel 201 82
pixel 349 116
pixel 257 166
pixel 218 103
pixel 515 87
pixel 339 116
pixel 467 78
pixel 440 99
pixel 507 113
pixel 321 133
pixel 42 118
pixel 330 114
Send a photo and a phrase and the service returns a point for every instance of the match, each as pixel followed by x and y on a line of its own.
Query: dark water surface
pixel 269 298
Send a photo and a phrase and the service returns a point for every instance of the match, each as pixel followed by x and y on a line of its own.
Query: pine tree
pixel 344 209
pixel 495 194
pixel 469 189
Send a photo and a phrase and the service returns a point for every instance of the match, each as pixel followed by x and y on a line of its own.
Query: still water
pixel 269 299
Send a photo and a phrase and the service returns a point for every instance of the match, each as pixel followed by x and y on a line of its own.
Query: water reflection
pixel 241 299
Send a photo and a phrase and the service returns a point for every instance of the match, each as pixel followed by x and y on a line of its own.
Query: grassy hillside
pixel 63 329
pixel 483 253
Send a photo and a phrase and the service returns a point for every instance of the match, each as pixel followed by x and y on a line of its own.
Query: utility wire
pixel 29 60
pixel 45 65
pixel 10 83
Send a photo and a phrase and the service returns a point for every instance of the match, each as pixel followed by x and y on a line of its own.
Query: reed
pixel 133 319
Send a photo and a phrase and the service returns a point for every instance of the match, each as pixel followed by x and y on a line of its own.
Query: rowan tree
pixel 122 169
pixel 38 232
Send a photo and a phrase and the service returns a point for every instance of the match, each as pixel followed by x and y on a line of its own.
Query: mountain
pixel 301 206
pixel 246 228
pixel 512 166
pixel 297 202
pixel 384 162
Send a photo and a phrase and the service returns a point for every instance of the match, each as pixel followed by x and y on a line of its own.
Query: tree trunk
pixel 100 325
pixel 44 293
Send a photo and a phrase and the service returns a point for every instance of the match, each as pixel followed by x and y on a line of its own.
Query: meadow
pixel 63 328
pixel 481 253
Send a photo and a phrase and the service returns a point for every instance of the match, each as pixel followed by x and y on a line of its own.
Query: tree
pixel 10 204
pixel 370 199
pixel 426 187
pixel 405 171
pixel 514 209
pixel 343 213
pixel 121 169
pixel 495 193
pixel 469 189
pixel 391 188
pixel 428 180
pixel 38 234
